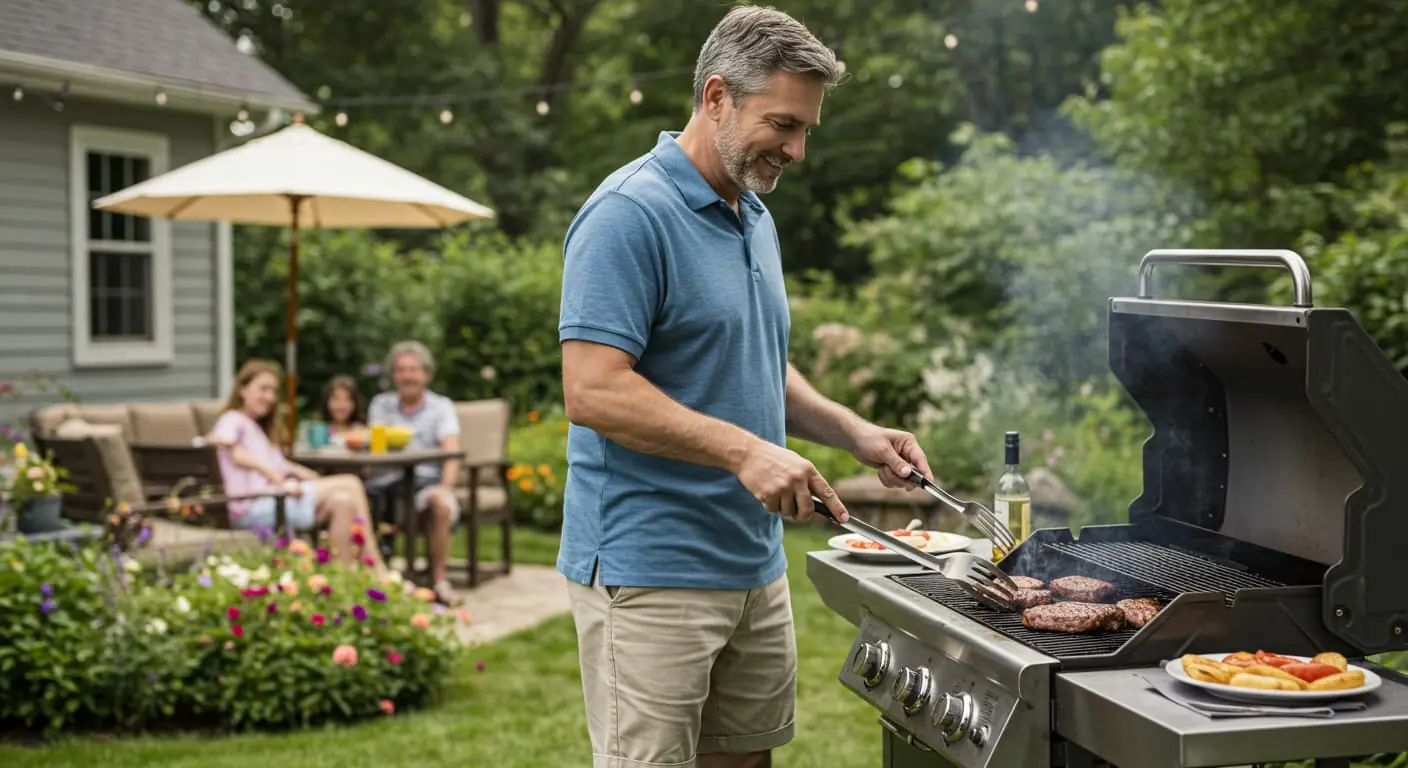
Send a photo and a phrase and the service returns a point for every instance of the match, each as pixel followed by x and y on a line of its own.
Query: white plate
pixel 1257 696
pixel 939 543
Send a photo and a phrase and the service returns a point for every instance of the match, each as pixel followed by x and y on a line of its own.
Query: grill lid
pixel 1277 426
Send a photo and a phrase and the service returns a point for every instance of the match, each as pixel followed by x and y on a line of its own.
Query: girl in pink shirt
pixel 248 434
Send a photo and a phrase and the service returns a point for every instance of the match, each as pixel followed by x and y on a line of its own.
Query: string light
pixel 340 119
pixel 243 115
pixel 160 98
pixel 543 107
pixel 446 116
pixel 1031 6
pixel 18 95
pixel 636 96
pixel 896 80
pixel 950 41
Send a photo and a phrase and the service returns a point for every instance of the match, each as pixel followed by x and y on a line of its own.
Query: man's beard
pixel 742 165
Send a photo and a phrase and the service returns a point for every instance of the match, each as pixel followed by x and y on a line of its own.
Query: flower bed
pixel 276 639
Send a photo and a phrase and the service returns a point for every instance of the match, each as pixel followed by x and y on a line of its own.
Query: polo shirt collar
pixel 697 192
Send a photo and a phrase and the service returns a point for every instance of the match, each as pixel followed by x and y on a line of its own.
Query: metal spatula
pixel 978 577
pixel 980 516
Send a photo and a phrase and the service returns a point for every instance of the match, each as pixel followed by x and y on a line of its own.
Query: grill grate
pixel 1055 644
pixel 1170 568
pixel 1135 568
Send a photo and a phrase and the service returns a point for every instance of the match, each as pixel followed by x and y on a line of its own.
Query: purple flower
pixel 46 589
pixel 359 613
pixel 377 595
pixel 323 556
pixel 47 606
pixel 282 543
pixel 204 581
pixel 336 619
pixel 272 607
pixel 264 534
pixel 143 536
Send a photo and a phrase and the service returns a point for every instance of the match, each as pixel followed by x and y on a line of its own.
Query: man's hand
pixel 785 482
pixel 892 453
pixel 293 487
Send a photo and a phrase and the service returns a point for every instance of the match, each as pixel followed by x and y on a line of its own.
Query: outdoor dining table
pixel 338 460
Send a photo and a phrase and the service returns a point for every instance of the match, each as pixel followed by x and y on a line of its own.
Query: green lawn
pixel 524 709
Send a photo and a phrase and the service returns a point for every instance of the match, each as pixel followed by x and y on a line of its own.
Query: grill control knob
pixel 954 716
pixel 870 662
pixel 911 689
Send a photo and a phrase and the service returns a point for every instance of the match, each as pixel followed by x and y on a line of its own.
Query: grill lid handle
pixel 1231 257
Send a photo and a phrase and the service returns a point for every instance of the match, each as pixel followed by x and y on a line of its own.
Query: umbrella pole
pixel 291 330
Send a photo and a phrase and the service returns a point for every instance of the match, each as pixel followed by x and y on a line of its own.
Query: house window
pixel 121 262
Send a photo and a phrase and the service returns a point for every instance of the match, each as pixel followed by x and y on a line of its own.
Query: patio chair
pixel 483 483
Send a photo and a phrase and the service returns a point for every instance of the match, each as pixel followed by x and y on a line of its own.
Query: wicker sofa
pixel 137 452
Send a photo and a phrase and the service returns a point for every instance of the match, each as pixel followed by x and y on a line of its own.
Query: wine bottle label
pixel 1001 512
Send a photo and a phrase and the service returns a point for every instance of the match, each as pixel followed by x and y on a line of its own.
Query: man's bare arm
pixel 814 417
pixel 603 391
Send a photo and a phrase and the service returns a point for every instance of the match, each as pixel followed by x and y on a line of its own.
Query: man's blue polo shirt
pixel 658 264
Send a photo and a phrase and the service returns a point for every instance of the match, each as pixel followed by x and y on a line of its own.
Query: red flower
pixel 237 630
pixel 232 612
pixel 254 592
pixel 319 620
pixel 394 658
pixel 359 539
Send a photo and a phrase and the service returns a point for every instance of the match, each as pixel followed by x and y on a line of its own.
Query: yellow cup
pixel 378 444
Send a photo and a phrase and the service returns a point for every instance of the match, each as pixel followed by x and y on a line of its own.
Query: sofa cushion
pixel 47 419
pixel 117 458
pixel 207 412
pixel 110 413
pixel 164 423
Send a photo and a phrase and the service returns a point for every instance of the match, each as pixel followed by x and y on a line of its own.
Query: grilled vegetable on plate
pixel 1272 677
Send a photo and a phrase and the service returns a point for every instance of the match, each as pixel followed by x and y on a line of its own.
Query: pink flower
pixel 387 706
pixel 319 620
pixel 232 612
pixel 423 593
pixel 479 665
pixel 420 621
pixel 237 630
pixel 254 592
pixel 344 655
pixel 393 658
pixel 323 556
pixel 463 615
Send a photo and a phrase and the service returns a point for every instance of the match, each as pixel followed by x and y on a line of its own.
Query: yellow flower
pixel 525 485
pixel 545 470
pixel 21 452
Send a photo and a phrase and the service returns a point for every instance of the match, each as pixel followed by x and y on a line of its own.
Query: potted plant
pixel 36 492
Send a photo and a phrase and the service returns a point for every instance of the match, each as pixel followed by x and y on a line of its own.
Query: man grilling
pixel 674 330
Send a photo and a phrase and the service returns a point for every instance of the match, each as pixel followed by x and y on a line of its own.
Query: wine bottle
pixel 1012 503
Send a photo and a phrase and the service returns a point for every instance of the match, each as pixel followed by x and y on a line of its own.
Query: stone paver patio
pixel 528 596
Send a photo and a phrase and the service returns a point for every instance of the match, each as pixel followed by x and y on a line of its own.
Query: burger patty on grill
pixel 1073 617
pixel 1138 611
pixel 1029 598
pixel 1083 589
pixel 1027 582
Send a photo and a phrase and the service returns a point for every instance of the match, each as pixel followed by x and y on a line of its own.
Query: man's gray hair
pixel 751 44
pixel 414 349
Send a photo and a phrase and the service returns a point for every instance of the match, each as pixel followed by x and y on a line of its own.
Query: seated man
pixel 434 424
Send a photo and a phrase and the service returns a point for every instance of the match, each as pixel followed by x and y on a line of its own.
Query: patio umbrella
pixel 297 178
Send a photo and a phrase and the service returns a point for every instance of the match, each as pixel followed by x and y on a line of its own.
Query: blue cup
pixel 317 434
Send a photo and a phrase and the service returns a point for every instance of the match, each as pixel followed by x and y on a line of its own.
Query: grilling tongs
pixel 979 578
pixel 980 516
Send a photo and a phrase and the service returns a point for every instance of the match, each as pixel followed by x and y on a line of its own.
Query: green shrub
pixel 267 639
pixel 538 448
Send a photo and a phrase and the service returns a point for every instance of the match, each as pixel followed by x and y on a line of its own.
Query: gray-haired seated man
pixel 432 420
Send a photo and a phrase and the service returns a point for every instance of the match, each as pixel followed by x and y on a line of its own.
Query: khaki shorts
pixel 671 673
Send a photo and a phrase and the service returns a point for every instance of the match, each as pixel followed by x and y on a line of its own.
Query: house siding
pixel 36 318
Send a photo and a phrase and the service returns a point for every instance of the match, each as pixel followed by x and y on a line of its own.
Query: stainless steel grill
pixel 1271 518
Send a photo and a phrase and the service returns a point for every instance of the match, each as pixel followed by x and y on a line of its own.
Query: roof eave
pixel 129 87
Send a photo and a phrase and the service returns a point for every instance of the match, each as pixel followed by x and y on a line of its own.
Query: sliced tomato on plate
pixel 1275 660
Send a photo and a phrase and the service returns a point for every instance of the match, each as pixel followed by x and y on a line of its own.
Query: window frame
pixel 88 352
